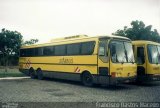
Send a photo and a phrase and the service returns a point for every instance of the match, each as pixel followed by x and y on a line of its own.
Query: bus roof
pixel 76 37
pixel 144 42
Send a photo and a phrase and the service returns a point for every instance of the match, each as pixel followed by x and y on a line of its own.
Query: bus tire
pixel 32 73
pixel 39 74
pixel 87 79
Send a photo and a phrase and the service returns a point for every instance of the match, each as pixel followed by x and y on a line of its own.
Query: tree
pixel 139 31
pixel 31 41
pixel 10 43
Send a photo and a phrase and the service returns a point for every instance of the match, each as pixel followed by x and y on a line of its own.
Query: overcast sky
pixel 48 19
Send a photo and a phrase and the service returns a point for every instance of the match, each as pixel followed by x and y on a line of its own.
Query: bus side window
pixel 39 51
pixel 22 52
pixel 140 55
pixel 87 48
pixel 60 50
pixel 103 54
pixel 101 50
pixel 30 52
pixel 48 51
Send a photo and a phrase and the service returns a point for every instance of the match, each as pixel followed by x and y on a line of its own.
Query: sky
pixel 49 19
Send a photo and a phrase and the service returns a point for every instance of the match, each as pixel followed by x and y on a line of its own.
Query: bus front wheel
pixel 87 79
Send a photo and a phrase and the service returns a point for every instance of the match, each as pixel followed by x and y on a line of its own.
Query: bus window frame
pixel 80 53
pixel 104 58
pixel 120 40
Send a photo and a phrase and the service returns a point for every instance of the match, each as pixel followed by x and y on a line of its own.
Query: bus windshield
pixel 154 54
pixel 121 52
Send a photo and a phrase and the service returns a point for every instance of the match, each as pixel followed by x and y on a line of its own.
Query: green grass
pixel 10 73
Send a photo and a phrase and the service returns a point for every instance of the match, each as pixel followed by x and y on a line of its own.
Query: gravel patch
pixel 33 90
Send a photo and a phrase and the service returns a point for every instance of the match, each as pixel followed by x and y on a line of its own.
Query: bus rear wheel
pixel 87 79
pixel 39 74
pixel 32 73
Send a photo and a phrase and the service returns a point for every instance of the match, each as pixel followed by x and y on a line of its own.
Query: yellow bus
pixel 147 54
pixel 92 60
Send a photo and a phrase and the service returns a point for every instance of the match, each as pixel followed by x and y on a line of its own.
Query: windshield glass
pixel 154 54
pixel 121 52
pixel 129 52
pixel 158 50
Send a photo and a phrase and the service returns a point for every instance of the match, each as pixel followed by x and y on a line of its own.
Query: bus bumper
pixel 115 80
pixel 118 80
pixel 149 77
pixel 156 77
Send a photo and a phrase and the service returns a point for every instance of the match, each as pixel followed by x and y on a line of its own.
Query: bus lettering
pixel 66 61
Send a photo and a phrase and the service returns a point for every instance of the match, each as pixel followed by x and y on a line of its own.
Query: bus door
pixel 103 62
pixel 140 59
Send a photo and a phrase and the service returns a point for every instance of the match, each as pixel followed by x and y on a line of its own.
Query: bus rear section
pixel 147 55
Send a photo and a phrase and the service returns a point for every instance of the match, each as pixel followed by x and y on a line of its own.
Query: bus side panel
pixel 63 67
